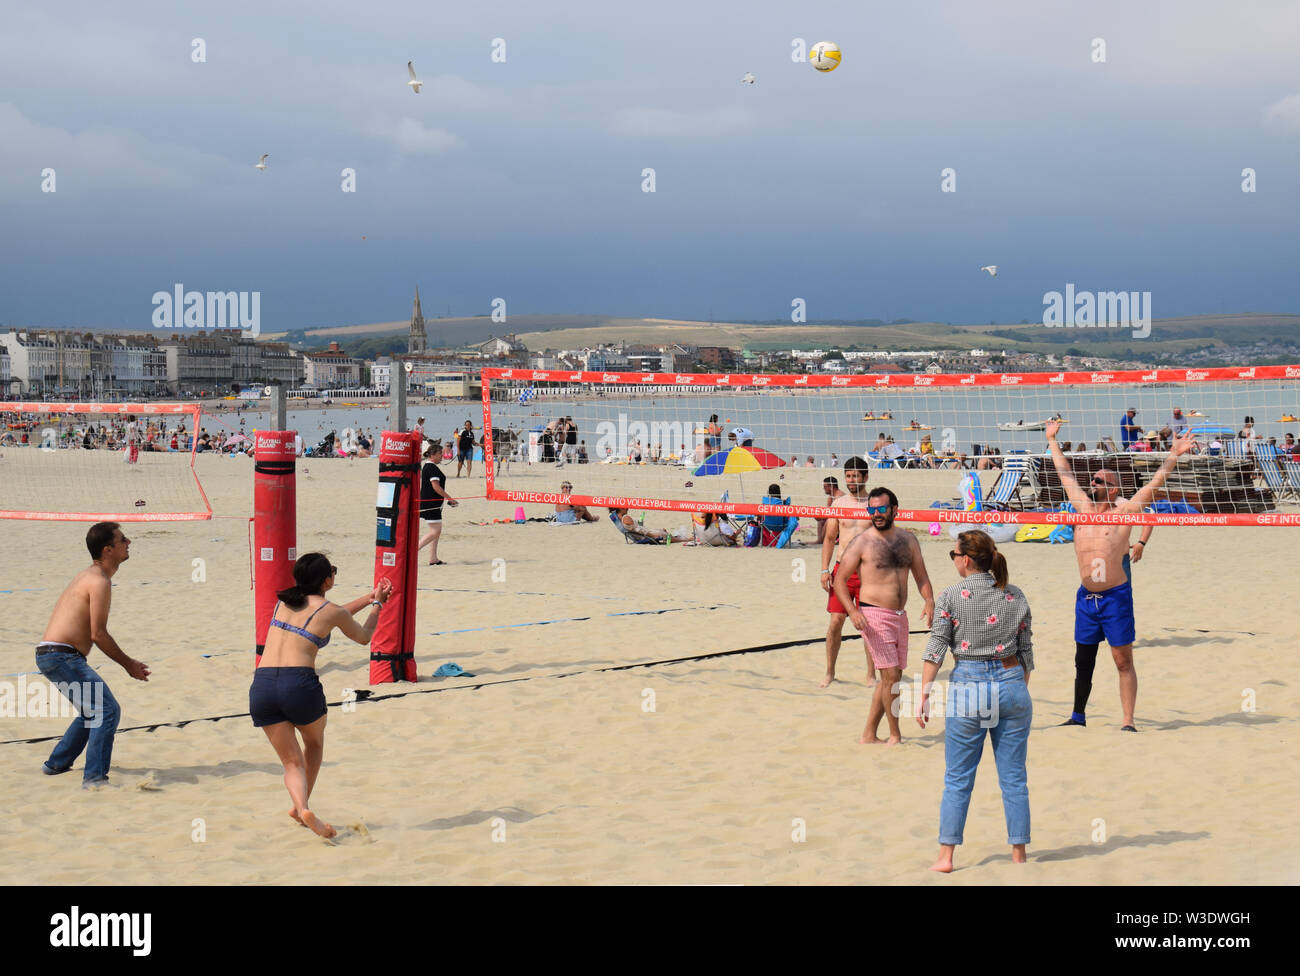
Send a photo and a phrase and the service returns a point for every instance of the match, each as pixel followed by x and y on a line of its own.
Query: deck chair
pixel 897 458
pixel 1266 460
pixel 1292 469
pixel 1235 448
pixel 629 535
pixel 1018 474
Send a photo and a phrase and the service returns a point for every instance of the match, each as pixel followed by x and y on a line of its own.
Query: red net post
pixel 275 523
pixel 397 536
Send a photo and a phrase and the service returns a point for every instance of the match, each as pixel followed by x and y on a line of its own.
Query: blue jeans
pixel 97 717
pixel 975 690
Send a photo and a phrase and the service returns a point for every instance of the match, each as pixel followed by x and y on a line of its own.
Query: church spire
pixel 416 341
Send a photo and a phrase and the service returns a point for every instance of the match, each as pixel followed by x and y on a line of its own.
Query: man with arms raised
pixel 843 531
pixel 1104 604
pixel 883 556
pixel 80 618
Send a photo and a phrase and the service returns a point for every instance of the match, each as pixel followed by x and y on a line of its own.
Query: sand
pixel 702 771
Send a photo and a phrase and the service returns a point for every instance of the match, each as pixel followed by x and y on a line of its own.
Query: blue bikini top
pixel 302 631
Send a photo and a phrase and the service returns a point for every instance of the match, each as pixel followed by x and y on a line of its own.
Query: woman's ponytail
pixel 999 570
pixel 979 547
pixel 309 573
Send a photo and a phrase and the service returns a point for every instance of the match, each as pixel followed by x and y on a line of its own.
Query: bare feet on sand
pixel 318 825
pixel 944 864
pixel 293 812
pixel 871 740
pixel 826 681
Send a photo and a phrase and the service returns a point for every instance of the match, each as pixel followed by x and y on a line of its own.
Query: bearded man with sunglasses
pixel 1103 606
pixel 882 556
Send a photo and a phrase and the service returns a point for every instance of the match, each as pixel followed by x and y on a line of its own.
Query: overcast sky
pixel 522 180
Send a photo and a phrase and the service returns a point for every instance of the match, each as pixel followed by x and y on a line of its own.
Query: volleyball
pixel 825 56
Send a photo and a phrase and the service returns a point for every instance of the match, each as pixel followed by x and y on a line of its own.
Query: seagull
pixel 261 163
pixel 992 269
pixel 415 82
pixel 748 79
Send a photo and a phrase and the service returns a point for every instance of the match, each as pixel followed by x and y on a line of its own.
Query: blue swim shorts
pixel 1107 614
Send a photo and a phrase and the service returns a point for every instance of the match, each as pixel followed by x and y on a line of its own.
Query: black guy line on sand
pixel 782 645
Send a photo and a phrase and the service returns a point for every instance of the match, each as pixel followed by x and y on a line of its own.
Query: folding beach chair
pixel 1292 469
pixel 1018 474
pixel 1266 460
pixel 1235 448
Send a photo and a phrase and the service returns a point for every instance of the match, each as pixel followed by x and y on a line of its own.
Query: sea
pixel 820 423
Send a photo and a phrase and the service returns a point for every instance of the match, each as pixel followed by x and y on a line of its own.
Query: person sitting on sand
pixel 631 529
pixel 717 530
pixel 286 698
pixel 571 514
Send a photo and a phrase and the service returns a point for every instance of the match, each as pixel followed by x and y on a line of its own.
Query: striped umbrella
pixel 738 460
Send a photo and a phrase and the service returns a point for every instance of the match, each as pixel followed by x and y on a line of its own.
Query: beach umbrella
pixel 738 460
pixel 1201 430
pixel 236 439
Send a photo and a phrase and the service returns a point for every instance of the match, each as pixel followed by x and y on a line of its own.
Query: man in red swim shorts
pixel 843 531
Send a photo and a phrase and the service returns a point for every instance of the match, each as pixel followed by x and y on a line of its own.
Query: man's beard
pixel 889 522
pixel 1096 494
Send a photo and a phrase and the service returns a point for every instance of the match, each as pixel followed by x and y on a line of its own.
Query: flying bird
pixel 748 79
pixel 261 163
pixel 415 82
pixel 992 269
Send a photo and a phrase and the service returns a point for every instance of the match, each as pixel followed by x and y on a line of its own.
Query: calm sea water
pixel 821 423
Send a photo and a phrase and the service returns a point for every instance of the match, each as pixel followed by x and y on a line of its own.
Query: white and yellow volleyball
pixel 825 56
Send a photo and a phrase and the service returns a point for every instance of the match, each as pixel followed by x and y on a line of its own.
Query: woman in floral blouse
pixel 986 624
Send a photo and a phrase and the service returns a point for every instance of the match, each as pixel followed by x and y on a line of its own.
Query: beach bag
pixel 753 535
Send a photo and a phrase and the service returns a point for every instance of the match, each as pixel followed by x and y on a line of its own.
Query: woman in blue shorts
pixel 286 698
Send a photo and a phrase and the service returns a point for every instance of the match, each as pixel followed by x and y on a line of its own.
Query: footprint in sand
pixel 147 785
pixel 351 835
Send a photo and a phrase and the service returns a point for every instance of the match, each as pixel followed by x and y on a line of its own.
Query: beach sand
pixel 546 769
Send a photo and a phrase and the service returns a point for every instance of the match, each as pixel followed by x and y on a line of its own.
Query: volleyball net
pixel 686 442
pixel 100 462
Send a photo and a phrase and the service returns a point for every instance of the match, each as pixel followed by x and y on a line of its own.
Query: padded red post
pixel 275 523
pixel 397 536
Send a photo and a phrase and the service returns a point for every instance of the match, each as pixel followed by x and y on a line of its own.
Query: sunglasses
pixel 877 509
pixel 953 555
pixel 1102 481
pixel 334 570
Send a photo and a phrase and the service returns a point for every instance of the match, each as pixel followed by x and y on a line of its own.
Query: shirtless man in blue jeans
pixel 80 619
